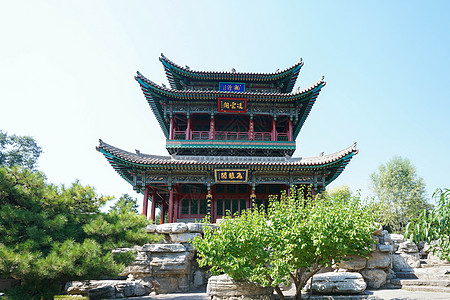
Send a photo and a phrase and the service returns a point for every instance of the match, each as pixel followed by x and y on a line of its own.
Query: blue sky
pixel 67 67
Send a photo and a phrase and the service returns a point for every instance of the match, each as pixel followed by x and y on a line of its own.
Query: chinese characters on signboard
pixel 237 105
pixel 231 176
pixel 231 87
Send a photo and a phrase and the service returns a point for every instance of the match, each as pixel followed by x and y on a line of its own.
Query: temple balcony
pixel 230 136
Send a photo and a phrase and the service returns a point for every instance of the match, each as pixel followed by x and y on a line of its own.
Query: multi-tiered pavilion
pixel 230 137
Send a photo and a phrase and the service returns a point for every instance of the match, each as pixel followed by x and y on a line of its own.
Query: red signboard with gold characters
pixel 234 105
pixel 230 176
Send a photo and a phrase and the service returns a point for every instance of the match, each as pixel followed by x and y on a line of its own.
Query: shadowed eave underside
pixel 125 162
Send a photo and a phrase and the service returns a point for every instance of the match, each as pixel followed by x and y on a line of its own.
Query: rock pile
pixel 164 268
pixel 224 287
pixel 376 270
pixel 104 289
pixel 337 283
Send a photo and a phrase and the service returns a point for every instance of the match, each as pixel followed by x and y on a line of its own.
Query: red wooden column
pixel 145 202
pixel 251 129
pixel 153 212
pixel 211 128
pixel 171 128
pixel 274 129
pixel 163 211
pixel 290 137
pixel 171 205
pixel 313 193
pixel 175 210
pixel 188 129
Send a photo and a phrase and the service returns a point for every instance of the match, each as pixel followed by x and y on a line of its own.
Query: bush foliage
pixel 433 225
pixel 50 235
pixel 294 240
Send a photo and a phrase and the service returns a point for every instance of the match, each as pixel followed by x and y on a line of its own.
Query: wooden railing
pixel 200 135
pixel 262 136
pixel 282 137
pixel 230 136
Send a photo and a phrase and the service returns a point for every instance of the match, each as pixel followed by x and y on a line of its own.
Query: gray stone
pixel 386 236
pixel 333 283
pixel 385 248
pixel 404 261
pixel 104 292
pixel 164 248
pixel 102 288
pixel 195 227
pixel 199 278
pixel 171 228
pixel 82 287
pixel 355 263
pixel 151 228
pixel 183 237
pixel 223 287
pixel 126 288
pixel 433 259
pixel 171 263
pixel 396 239
pixel 407 247
pixel 379 260
pixel 374 278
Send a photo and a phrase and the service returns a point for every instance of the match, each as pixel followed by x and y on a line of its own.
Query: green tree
pixel 126 202
pixel 433 225
pixel 399 193
pixel 292 241
pixel 50 235
pixel 18 150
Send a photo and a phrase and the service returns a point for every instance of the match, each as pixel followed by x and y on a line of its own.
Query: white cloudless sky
pixel 67 68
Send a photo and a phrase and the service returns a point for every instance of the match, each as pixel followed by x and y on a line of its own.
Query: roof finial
pixel 162 55
pixel 233 70
pixel 187 67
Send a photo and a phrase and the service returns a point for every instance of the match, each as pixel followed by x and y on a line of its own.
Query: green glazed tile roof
pixel 175 72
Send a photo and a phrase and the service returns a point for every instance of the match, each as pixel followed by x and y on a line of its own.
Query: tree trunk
pixel 279 292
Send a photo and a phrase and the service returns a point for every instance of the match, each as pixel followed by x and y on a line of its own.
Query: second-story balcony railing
pixel 262 136
pixel 229 136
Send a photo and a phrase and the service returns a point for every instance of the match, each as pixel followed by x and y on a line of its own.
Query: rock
pixel 405 261
pixel 103 289
pixel 151 228
pixel 224 287
pixel 164 248
pixel 378 231
pixel 386 236
pixel 183 237
pixel 104 292
pixel 82 287
pixel 379 260
pixel 199 278
pixel 355 263
pixel 407 247
pixel 126 289
pixel 171 228
pixel 195 227
pixel 376 239
pixel 332 283
pixel 164 264
pixel 374 278
pixel 433 259
pixel 396 240
pixel 385 248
